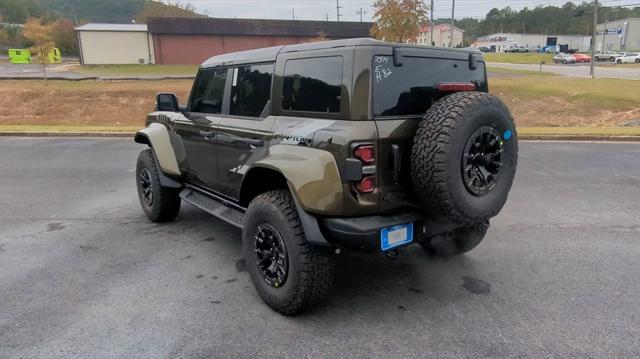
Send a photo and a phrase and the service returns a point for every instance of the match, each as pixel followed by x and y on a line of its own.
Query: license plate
pixel 395 236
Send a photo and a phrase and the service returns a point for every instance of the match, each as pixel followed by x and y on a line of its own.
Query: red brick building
pixel 193 40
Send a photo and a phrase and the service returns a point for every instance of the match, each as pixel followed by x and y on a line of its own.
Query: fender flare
pixel 157 137
pixel 312 176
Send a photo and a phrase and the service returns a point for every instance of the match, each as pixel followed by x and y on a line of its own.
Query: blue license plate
pixel 395 236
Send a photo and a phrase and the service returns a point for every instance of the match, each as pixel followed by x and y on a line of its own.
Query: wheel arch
pixel 310 174
pixel 157 137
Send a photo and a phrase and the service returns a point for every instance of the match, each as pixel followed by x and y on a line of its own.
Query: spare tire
pixel 464 157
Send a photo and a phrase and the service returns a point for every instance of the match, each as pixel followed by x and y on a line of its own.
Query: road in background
pixel 84 274
pixel 577 70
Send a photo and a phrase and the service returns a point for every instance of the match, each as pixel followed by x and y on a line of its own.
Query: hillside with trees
pixel 569 19
pixel 116 11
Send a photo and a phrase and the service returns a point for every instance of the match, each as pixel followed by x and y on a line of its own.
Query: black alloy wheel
pixel 482 160
pixel 147 186
pixel 271 255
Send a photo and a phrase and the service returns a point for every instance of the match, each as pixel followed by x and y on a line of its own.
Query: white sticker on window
pixel 235 77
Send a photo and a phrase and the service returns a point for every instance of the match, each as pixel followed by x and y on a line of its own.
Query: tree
pixel 64 36
pixel 42 39
pixel 171 9
pixel 398 20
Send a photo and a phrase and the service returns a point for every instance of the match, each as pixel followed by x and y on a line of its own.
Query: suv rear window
pixel 408 90
pixel 312 85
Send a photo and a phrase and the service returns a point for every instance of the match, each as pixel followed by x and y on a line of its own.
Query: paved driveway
pixel 84 274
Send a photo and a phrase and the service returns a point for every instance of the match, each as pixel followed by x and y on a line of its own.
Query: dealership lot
pixel 83 273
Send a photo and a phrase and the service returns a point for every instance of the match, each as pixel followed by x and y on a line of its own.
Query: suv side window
pixel 251 90
pixel 209 91
pixel 312 85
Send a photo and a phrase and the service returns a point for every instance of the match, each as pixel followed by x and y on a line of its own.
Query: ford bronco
pixel 316 148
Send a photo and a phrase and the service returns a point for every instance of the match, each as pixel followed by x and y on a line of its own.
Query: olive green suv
pixel 316 148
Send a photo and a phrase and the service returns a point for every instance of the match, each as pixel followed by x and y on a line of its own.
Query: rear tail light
pixel 456 86
pixel 365 153
pixel 366 184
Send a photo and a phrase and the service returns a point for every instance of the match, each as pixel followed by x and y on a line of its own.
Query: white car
pixel 630 57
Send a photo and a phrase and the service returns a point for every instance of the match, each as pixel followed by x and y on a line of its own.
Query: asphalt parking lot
pixel 84 274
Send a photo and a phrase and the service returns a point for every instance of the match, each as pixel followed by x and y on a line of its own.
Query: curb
pixel 130 134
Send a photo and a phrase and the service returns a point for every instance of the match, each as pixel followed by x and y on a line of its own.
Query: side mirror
pixel 167 102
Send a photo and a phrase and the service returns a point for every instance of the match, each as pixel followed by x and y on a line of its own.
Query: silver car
pixel 563 58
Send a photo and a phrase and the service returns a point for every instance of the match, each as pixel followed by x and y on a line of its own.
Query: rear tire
pixel 302 273
pixel 457 242
pixel 160 204
pixel 464 157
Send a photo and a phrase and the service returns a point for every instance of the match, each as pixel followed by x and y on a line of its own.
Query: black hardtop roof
pixel 269 54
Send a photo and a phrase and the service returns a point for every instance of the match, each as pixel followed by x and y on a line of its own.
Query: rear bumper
pixel 363 233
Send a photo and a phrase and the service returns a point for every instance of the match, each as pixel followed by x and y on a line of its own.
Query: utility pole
pixel 604 31
pixel 431 32
pixel 327 16
pixel 293 14
pixel 361 12
pixel 453 12
pixel 338 7
pixel 593 39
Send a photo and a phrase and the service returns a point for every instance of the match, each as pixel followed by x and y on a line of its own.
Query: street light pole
pixel 431 32
pixel 453 12
pixel 593 40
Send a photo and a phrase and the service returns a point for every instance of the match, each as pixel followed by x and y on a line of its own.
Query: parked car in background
pixel 486 49
pixel 607 56
pixel 563 58
pixel 629 58
pixel 582 58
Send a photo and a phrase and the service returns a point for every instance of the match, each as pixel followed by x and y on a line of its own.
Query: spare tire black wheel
pixel 464 157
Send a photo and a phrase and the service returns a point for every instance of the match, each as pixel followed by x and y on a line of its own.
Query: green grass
pixel 137 70
pixel 590 94
pixel 526 58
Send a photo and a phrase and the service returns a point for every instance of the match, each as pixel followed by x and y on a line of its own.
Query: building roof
pixel 440 27
pixel 112 27
pixel 257 27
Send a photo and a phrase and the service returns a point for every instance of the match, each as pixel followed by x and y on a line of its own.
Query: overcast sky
pixel 318 9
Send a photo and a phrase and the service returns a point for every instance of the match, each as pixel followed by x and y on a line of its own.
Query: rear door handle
pixel 206 134
pixel 254 142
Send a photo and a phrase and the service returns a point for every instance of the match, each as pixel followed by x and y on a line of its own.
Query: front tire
pixel 460 241
pixel 289 273
pixel 160 204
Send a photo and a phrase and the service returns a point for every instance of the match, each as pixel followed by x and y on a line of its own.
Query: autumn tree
pixel 64 36
pixel 41 36
pixel 398 20
pixel 170 9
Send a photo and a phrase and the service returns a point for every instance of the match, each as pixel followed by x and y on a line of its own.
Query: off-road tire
pixel 165 203
pixel 310 268
pixel 457 242
pixel 437 156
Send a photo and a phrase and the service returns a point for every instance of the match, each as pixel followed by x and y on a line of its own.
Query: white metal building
pixel 441 35
pixel 115 44
pixel 500 42
pixel 620 35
